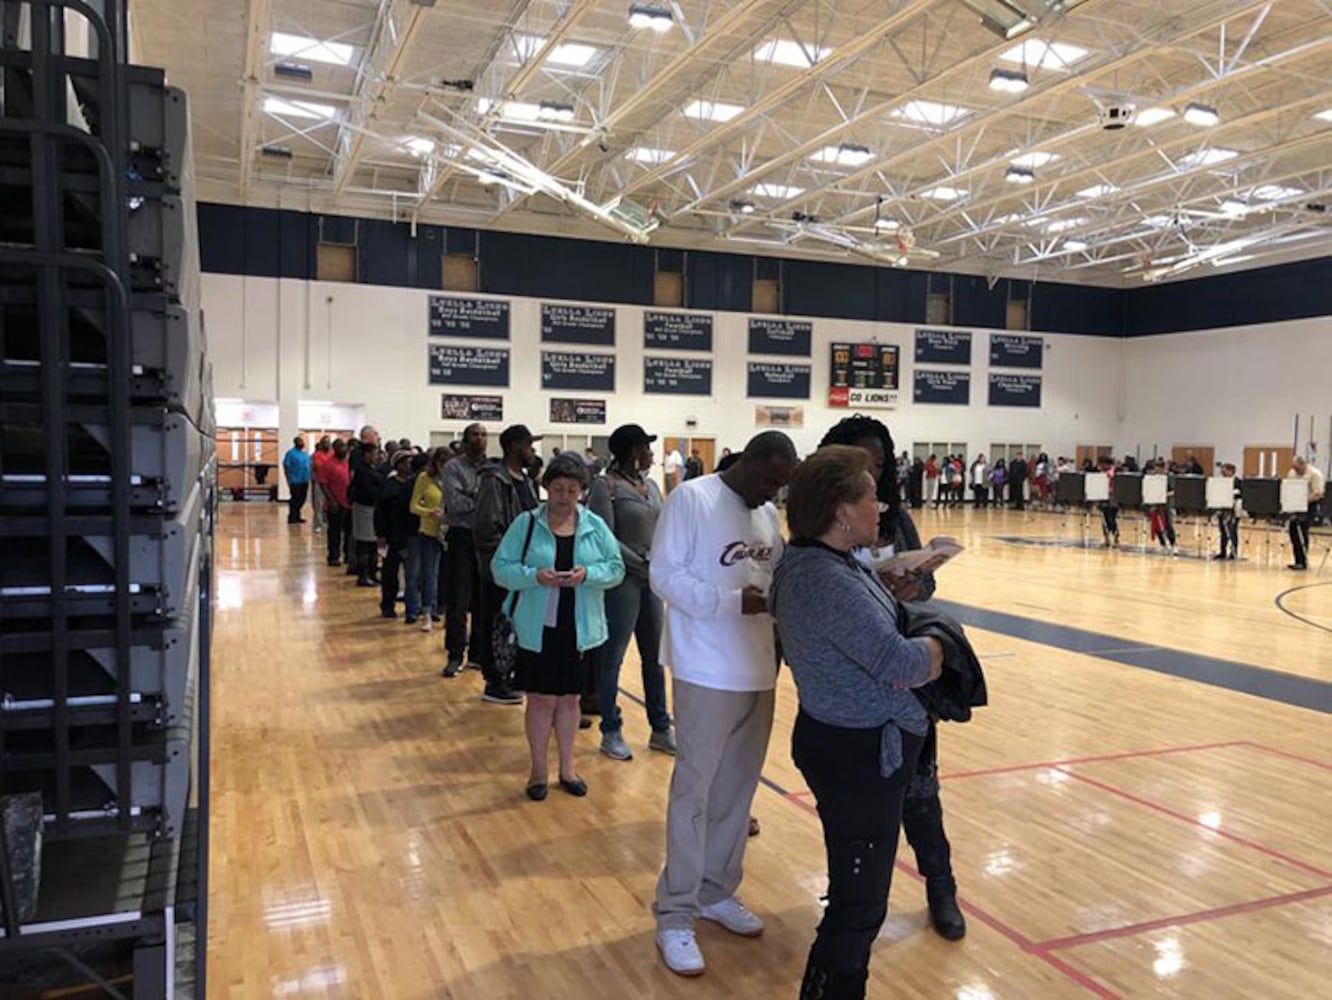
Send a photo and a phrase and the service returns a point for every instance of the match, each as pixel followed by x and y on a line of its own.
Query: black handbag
pixel 504 641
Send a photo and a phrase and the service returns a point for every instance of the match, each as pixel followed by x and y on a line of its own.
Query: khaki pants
pixel 722 740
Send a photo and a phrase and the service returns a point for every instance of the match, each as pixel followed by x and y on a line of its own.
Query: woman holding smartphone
pixel 557 562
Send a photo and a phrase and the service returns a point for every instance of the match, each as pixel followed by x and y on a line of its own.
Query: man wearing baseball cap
pixel 504 491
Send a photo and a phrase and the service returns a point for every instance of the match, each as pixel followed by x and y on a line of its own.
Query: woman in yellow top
pixel 427 503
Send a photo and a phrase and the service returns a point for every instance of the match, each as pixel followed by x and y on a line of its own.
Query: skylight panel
pixel 1097 191
pixel 299 109
pixel 1045 55
pixel 1274 192
pixel 779 191
pixel 1207 157
pixel 944 193
pixel 789 53
pixel 930 113
pixel 712 111
pixel 1031 161
pixel 647 154
pixel 1063 225
pixel 303 46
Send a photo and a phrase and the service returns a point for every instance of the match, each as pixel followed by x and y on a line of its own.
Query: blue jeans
pixel 632 609
pixel 422 575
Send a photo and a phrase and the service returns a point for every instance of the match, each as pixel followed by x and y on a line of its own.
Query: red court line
pixel 1194 821
pixel 1202 916
pixel 1287 754
pixel 1094 759
pixel 797 799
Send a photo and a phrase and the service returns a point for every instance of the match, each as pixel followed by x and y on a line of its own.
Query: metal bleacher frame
pixel 107 490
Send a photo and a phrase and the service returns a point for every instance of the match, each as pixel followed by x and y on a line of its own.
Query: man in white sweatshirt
pixel 716 544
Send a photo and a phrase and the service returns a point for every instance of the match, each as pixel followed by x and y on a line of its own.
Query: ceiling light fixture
pixel 1017 175
pixel 788 53
pixel 1234 208
pixel 848 154
pixel 419 146
pixel 1274 192
pixel 553 111
pixel 1008 81
pixel 743 207
pixel 1063 225
pixel 1075 245
pixel 713 111
pixel 294 71
pixel 1202 115
pixel 1001 17
pixel 944 193
pixel 651 16
pixel 1324 116
pixel 1152 116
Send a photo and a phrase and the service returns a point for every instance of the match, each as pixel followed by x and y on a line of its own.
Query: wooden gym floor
pixel 1125 822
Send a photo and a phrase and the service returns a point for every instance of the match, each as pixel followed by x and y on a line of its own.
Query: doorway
pixel 1266 460
pixel 705 446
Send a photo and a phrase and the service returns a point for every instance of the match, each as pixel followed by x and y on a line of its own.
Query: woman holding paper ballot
pixel 860 729
pixel 922 816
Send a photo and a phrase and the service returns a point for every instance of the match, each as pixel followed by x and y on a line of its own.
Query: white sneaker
pixel 425 622
pixel 734 916
pixel 679 950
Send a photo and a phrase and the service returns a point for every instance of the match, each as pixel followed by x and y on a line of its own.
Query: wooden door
pixel 1204 453
pixel 1267 460
pixel 1092 452
pixel 707 451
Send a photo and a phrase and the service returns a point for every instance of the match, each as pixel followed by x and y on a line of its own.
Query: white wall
pixel 287 341
pixel 1230 388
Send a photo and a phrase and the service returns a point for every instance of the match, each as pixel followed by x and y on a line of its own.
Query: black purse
pixel 504 640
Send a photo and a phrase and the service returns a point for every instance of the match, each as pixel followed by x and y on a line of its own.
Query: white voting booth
pixel 1155 490
pixel 1294 496
pixel 1097 487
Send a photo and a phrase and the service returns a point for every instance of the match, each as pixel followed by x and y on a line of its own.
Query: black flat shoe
pixel 585 722
pixel 945 915
pixel 537 792
pixel 576 788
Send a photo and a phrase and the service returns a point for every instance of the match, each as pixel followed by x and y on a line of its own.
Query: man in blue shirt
pixel 296 464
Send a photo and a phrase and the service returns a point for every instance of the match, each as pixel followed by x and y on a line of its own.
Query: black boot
pixel 824 984
pixel 945 915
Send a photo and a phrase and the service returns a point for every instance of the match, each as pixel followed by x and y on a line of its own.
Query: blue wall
pixel 279 243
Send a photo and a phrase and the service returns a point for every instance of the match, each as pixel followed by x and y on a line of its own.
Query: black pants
pixel 1110 521
pixel 861 813
pixel 461 596
pixel 1015 494
pixel 922 818
pixel 339 532
pixel 388 581
pixel 982 495
pixel 299 491
pixel 490 599
pixel 1299 534
pixel 1228 524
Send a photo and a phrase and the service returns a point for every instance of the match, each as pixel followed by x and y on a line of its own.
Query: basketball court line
pixel 1273 685
pixel 1280 605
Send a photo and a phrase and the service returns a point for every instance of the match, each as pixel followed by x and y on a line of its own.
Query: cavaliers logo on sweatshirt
pixel 737 552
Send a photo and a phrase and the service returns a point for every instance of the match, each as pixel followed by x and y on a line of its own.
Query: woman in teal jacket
pixel 557 562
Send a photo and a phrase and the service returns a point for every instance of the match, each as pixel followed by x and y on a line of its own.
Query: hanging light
pixel 1202 115
pixel 651 16
pixel 1008 81
pixel 1017 175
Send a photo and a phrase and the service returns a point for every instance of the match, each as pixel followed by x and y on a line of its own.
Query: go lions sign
pixel 863 399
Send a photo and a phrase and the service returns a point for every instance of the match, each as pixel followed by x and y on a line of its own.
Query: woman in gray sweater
pixel 628 500
pixel 859 730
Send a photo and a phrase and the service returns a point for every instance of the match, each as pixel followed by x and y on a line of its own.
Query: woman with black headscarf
pixel 922 815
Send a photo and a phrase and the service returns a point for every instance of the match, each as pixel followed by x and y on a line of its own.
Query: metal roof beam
pixel 396 27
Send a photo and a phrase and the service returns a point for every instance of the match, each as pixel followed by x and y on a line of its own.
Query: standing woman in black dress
pixel 557 562
pixel 922 814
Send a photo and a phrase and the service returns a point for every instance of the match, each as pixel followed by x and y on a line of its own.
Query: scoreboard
pixel 865 366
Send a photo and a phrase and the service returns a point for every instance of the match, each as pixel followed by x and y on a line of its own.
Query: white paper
pixel 936 552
